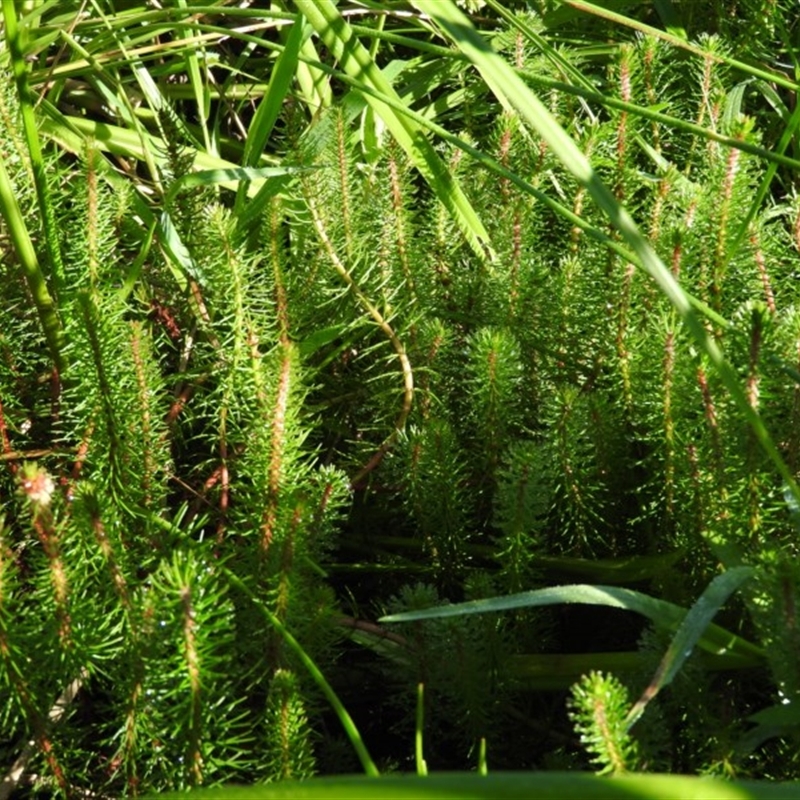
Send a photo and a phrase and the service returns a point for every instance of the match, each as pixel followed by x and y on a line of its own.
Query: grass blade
pixel 692 628
pixel 14 35
pixel 30 269
pixel 503 786
pixel 668 615
pixel 347 722
pixel 271 103
pixel 199 86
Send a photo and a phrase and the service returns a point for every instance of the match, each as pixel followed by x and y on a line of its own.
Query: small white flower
pixel 37 485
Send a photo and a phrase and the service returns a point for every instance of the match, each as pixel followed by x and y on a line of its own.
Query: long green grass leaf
pixel 492 164
pixel 347 722
pixel 199 86
pixel 30 269
pixel 70 131
pixel 691 630
pixel 774 156
pixel 662 613
pixel 272 102
pixel 14 35
pixel 504 786
pixel 231 175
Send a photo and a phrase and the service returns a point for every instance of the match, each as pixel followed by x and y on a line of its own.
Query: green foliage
pixel 312 307
pixel 522 501
pixel 288 748
pixel 171 444
pixel 598 709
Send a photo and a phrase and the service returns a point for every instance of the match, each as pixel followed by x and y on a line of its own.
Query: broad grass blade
pixel 502 786
pixel 691 630
pixel 668 615
pixel 272 102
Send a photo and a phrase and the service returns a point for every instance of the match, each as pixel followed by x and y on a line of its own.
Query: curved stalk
pixel 383 324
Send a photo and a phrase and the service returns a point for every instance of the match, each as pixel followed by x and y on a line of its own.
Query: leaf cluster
pixel 297 301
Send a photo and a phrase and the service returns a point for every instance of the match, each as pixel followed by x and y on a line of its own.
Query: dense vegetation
pixel 312 314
